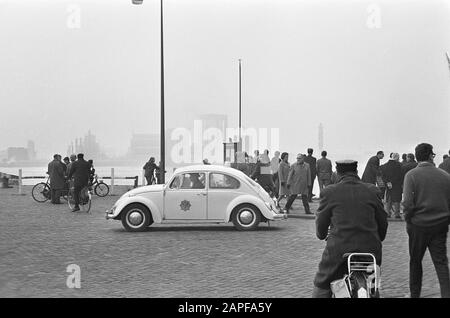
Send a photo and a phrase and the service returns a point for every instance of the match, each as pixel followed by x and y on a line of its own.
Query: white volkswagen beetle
pixel 198 194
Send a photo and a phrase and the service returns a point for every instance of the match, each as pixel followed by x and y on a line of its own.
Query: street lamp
pixel 162 133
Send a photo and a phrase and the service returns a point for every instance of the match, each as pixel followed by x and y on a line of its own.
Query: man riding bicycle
pixel 352 219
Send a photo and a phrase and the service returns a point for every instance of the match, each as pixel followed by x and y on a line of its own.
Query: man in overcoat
pixel 372 169
pixel 298 183
pixel 352 219
pixel 393 179
pixel 311 161
pixel 80 171
pixel 56 172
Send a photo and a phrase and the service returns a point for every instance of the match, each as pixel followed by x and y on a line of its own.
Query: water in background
pixel 132 171
pixel 119 172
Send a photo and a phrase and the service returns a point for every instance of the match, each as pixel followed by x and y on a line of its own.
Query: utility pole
pixel 240 101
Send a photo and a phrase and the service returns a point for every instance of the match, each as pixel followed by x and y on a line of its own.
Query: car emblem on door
pixel 185 205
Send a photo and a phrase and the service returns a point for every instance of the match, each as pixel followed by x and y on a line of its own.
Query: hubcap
pixel 246 217
pixel 135 218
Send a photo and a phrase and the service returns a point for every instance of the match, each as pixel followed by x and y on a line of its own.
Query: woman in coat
pixel 283 172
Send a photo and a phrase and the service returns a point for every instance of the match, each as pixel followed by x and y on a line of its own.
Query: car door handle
pixel 201 194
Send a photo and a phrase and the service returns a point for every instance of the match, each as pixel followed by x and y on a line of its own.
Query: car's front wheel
pixel 246 217
pixel 136 217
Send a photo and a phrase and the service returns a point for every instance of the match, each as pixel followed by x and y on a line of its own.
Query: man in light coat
pixel 298 183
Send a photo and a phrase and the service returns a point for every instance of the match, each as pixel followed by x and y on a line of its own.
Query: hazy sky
pixel 304 62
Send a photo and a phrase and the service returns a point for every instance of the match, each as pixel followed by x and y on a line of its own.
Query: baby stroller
pixel 362 279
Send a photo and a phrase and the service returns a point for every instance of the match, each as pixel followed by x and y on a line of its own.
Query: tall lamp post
pixel 162 132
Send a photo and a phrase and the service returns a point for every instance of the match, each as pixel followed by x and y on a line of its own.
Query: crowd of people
pixel 74 171
pixel 351 216
pixel 353 212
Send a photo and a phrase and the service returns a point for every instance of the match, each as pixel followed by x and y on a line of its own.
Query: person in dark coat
pixel 149 169
pixel 372 169
pixel 324 171
pixel 411 163
pixel 350 218
pixel 392 177
pixel 309 159
pixel 80 171
pixel 55 170
pixel 445 165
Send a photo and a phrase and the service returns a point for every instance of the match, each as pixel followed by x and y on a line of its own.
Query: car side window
pixel 176 183
pixel 193 181
pixel 222 181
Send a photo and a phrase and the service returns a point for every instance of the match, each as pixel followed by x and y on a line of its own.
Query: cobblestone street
pixel 39 240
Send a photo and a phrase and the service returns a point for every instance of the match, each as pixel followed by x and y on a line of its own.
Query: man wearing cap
pixel 352 219
pixel 80 170
pixel 393 178
pixel 298 183
pixel 426 204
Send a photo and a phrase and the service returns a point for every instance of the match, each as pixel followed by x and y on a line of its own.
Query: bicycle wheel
pixel 101 189
pixel 41 192
pixel 85 200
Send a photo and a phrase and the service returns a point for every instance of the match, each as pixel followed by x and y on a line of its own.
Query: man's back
pixel 324 166
pixel 358 223
pixel 309 159
pixel 445 165
pixel 80 171
pixel 426 195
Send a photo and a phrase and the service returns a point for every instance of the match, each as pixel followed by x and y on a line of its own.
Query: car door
pixel 186 197
pixel 222 189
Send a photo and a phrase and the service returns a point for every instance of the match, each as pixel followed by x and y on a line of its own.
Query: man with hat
pixel 80 170
pixel 352 219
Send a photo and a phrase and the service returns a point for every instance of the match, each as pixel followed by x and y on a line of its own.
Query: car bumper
pixel 109 215
pixel 280 216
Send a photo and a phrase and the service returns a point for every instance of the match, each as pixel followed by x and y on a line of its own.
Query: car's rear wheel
pixel 136 217
pixel 246 217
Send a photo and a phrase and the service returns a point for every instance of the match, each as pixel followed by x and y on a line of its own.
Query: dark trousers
pixel 435 239
pixel 323 182
pixel 55 195
pixel 311 188
pixel 321 293
pixel 292 198
pixel 276 182
pixel 76 195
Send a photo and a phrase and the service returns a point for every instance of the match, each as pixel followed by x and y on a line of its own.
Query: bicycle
pixel 85 199
pixel 41 191
pixel 101 189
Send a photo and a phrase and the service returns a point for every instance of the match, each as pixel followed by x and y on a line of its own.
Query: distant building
pixel 218 121
pixel 31 150
pixel 144 146
pixel 320 137
pixel 87 145
pixel 17 154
